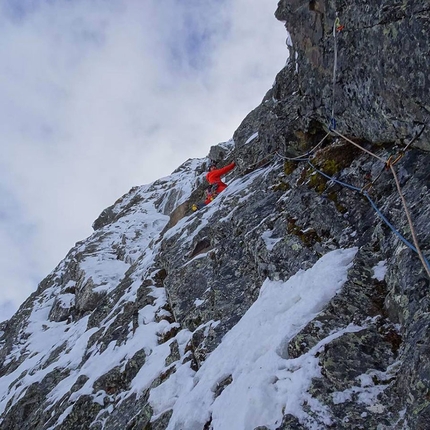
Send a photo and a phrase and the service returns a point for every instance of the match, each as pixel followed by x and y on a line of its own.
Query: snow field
pixel 265 382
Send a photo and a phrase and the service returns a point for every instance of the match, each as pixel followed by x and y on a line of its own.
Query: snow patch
pixel 380 270
pixel 264 384
pixel 366 392
pixel 251 138
pixel 269 241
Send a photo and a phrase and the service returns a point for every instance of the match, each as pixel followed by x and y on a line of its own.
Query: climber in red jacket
pixel 216 185
pixel 214 176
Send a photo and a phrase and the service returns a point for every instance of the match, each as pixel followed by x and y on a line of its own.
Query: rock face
pixel 381 80
pixel 128 327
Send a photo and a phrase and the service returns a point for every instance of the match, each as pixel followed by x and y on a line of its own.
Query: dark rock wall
pixel 381 82
pixel 382 75
pixel 211 264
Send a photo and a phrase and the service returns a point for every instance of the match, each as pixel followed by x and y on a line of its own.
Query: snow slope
pixel 247 381
pixel 264 382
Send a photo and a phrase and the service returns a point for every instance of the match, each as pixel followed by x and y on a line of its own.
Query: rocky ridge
pixel 125 328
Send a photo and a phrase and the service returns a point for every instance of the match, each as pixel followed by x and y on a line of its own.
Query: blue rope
pixel 351 187
pixel 373 204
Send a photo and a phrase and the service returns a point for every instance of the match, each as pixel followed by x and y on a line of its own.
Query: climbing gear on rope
pixel 390 165
pixel 387 164
pixel 338 25
pixel 401 154
pixel 391 162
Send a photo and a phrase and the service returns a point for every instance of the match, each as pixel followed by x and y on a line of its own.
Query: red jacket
pixel 214 176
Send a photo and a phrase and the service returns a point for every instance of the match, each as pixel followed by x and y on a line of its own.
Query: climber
pixel 214 175
pixel 216 185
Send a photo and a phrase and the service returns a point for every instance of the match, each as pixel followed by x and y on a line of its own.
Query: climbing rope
pixel 336 25
pixel 359 146
pixel 411 226
pixel 331 178
pixel 388 164
pixel 302 157
pixel 262 163
pixel 415 248
pixel 414 139
pixel 371 184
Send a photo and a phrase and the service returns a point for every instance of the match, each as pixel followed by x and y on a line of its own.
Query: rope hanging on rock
pixel 336 28
pixel 303 157
pixel 411 226
pixel 359 146
pixel 389 164
pixel 415 248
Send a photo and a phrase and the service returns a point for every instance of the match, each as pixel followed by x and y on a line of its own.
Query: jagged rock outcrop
pixel 148 323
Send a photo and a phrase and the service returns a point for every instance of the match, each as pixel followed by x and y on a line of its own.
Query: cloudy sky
pixel 98 96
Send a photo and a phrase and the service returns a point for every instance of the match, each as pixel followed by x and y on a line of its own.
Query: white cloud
pixel 99 96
